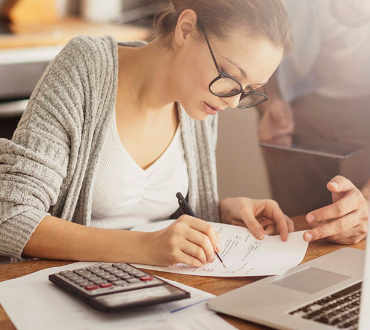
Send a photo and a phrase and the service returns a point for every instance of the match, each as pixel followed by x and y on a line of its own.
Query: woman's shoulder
pixel 91 48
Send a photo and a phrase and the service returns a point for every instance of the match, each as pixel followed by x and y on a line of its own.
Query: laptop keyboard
pixel 340 310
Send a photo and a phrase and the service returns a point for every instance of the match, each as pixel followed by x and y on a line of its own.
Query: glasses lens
pixel 225 87
pixel 250 100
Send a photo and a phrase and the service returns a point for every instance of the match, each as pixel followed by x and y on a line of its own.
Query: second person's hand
pixel 276 121
pixel 188 240
pixel 345 221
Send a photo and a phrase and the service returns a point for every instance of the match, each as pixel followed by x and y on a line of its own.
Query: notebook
pixel 329 292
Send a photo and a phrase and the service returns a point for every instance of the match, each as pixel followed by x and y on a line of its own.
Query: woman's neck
pixel 145 77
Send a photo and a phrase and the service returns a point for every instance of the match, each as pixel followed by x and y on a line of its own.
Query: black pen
pixel 186 209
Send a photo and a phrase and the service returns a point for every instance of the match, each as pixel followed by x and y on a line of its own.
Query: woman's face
pixel 250 60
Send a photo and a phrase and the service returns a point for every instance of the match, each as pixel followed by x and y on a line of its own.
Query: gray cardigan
pixel 49 165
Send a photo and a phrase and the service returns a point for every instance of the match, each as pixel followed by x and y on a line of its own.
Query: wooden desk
pixel 213 285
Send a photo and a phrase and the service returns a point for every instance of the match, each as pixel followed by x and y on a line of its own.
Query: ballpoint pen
pixel 186 209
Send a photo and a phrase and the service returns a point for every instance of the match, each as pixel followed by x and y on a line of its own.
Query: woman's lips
pixel 210 109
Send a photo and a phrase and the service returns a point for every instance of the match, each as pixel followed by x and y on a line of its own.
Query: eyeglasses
pixel 225 85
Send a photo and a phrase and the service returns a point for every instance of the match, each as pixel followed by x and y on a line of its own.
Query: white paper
pixel 242 254
pixel 34 303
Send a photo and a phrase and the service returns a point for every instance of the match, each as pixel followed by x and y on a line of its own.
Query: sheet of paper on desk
pixel 242 254
pixel 32 302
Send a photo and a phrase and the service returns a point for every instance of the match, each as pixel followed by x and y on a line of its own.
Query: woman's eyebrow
pixel 240 69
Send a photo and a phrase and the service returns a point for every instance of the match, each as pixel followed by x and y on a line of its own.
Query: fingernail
pixel 259 234
pixel 308 237
pixel 311 218
pixel 218 248
pixel 334 184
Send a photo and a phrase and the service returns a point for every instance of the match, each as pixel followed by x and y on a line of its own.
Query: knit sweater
pixel 48 167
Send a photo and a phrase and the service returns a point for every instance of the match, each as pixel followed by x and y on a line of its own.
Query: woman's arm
pixel 55 238
pixel 188 240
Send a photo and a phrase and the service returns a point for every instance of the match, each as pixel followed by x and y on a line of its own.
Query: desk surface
pixel 213 285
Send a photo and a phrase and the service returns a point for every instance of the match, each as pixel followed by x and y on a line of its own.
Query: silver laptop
pixel 323 293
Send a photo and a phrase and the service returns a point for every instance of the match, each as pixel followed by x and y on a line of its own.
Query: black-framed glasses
pixel 225 85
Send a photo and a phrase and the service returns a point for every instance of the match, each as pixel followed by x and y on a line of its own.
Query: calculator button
pixel 116 271
pixel 140 274
pixel 106 285
pixel 108 277
pixel 81 271
pixel 66 273
pixel 91 287
pixel 119 282
pixel 146 278
pixel 103 266
pixel 133 280
pixel 125 276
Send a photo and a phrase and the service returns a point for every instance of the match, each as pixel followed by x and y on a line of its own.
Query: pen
pixel 186 209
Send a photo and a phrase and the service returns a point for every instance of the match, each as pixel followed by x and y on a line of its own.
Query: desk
pixel 213 285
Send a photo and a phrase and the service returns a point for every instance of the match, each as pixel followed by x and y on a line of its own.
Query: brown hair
pixel 266 18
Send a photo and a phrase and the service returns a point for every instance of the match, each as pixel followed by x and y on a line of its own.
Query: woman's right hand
pixel 277 120
pixel 188 240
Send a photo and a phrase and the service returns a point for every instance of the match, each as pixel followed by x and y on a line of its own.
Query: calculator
pixel 112 287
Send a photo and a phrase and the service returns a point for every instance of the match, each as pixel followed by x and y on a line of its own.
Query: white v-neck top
pixel 125 195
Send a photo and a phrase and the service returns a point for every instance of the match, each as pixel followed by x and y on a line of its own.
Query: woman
pixel 113 131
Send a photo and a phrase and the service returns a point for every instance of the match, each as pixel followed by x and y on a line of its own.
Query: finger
pixel 188 259
pixel 280 116
pixel 348 240
pixel 335 227
pixel 266 222
pixel 202 241
pixel 340 184
pixel 357 231
pixel 252 224
pixel 280 219
pixel 270 229
pixel 207 229
pixel 195 251
pixel 290 225
pixel 349 203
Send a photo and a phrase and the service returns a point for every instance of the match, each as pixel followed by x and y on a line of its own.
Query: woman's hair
pixel 265 18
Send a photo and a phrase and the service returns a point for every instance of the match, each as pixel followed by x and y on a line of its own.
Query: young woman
pixel 113 131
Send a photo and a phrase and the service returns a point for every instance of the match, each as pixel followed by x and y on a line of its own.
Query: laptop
pixel 325 293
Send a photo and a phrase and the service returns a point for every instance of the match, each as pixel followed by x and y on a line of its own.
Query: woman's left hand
pixel 261 216
pixel 343 222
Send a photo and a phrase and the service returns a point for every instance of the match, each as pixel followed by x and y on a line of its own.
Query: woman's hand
pixel 188 240
pixel 346 220
pixel 259 216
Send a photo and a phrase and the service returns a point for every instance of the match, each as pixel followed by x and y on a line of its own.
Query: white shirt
pixel 332 55
pixel 125 195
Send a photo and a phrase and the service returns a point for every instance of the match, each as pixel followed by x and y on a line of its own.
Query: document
pixel 242 254
pixel 34 303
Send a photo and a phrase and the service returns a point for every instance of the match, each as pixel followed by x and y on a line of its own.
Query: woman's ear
pixel 186 23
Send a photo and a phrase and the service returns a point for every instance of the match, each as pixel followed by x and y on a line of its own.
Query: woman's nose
pixel 232 101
